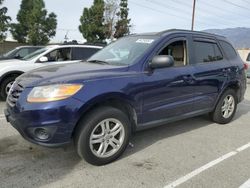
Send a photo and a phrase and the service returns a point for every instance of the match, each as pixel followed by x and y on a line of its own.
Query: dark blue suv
pixel 137 82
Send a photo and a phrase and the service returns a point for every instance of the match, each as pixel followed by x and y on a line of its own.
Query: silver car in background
pixel 248 63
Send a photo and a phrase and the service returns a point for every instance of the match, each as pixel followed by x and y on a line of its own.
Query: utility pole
pixel 193 15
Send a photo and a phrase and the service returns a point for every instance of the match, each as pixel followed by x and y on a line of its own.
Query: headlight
pixel 53 92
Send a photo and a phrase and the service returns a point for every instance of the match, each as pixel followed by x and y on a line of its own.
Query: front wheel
pixel 225 108
pixel 5 86
pixel 103 135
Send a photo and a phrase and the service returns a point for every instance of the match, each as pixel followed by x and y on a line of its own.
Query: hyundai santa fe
pixel 139 81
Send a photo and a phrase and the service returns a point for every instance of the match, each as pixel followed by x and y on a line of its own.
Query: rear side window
pixel 83 53
pixel 206 52
pixel 228 49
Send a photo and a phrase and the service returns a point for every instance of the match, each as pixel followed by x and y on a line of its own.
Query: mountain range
pixel 240 36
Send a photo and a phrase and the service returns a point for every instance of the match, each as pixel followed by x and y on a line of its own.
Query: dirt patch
pixel 7 143
pixel 146 164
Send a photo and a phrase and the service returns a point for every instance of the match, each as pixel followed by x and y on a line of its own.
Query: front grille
pixel 14 94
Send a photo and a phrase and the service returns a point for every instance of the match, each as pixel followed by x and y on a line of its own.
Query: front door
pixel 169 91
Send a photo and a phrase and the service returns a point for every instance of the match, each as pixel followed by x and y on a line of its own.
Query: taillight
pixel 246 66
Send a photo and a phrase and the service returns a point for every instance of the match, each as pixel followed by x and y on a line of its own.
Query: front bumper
pixel 57 118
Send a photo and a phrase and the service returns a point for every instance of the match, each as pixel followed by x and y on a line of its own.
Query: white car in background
pixel 248 64
pixel 50 55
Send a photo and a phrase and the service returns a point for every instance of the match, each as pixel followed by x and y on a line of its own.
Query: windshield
pixel 34 54
pixel 124 51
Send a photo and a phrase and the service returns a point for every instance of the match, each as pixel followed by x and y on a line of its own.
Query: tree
pixel 4 22
pixel 35 26
pixel 92 22
pixel 110 18
pixel 123 24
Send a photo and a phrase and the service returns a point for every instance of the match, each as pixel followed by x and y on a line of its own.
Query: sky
pixel 149 15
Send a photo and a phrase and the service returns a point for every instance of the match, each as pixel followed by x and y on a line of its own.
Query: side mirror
pixel 162 61
pixel 43 59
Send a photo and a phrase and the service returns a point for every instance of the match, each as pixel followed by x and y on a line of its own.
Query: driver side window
pixel 178 50
pixel 62 54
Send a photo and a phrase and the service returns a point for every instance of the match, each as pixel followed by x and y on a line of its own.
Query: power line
pixel 167 13
pixel 173 15
pixel 216 7
pixel 246 1
pixel 159 11
pixel 168 6
pixel 205 12
pixel 200 22
pixel 236 5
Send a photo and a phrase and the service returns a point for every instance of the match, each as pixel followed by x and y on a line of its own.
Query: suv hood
pixel 68 73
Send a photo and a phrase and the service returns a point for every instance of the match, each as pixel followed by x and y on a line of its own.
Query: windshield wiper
pixel 99 62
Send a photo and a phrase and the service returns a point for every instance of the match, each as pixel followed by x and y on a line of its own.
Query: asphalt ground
pixel 190 153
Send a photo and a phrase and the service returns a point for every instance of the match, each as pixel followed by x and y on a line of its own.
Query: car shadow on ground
pixel 144 139
pixel 27 165
pixel 242 109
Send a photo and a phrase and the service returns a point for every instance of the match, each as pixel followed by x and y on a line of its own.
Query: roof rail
pixel 190 31
pixel 95 43
pixel 70 42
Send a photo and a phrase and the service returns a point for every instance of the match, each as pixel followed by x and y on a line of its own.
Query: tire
pixel 5 83
pixel 92 125
pixel 219 115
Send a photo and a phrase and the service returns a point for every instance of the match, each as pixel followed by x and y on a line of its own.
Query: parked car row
pixel 137 82
pixel 20 52
pixel 49 55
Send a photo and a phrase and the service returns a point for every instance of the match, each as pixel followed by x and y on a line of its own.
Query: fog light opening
pixel 42 134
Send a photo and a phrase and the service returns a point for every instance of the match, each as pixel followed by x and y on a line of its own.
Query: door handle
pixel 226 70
pixel 188 78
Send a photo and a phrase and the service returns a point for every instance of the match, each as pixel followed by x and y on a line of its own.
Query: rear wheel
pixel 5 86
pixel 225 108
pixel 103 135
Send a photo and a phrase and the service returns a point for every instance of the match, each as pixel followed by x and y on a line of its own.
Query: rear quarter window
pixel 83 53
pixel 228 49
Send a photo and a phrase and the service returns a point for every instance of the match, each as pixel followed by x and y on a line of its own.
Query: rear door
pixel 211 71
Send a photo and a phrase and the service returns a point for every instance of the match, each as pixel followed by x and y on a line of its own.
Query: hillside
pixel 240 36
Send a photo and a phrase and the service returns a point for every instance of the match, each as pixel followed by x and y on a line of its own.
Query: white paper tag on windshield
pixel 145 41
